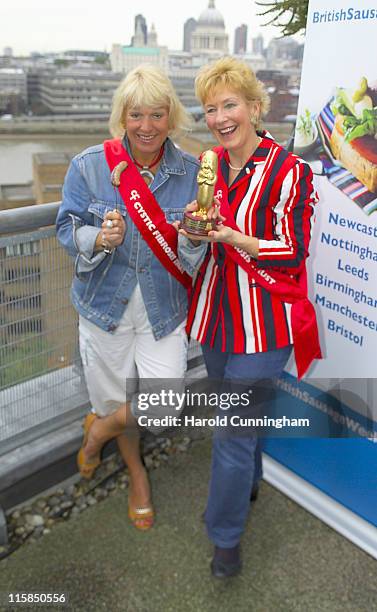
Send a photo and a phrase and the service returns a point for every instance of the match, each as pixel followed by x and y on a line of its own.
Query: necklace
pixel 145 170
pixel 234 167
pixel 238 169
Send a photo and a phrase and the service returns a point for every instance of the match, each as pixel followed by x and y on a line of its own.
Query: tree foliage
pixel 288 15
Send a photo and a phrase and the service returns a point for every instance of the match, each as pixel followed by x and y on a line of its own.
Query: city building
pixel 184 86
pixel 283 53
pixel 140 38
pixel 152 37
pixel 13 80
pixel 182 72
pixel 204 39
pixel 282 88
pixel 124 59
pixel 188 29
pixel 49 170
pixel 84 56
pixel 240 39
pixel 13 90
pixel 144 48
pixel 75 91
pixel 256 62
pixel 17 195
pixel 274 79
pixel 209 37
pixel 257 45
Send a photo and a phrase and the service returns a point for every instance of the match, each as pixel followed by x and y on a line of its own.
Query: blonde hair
pixel 234 74
pixel 147 85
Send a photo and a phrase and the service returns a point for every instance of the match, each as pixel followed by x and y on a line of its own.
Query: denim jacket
pixel 103 284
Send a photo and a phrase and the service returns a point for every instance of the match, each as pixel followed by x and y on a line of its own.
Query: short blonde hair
pixel 147 85
pixel 234 74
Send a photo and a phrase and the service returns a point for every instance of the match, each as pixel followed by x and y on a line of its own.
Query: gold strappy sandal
pixel 87 468
pixel 142 518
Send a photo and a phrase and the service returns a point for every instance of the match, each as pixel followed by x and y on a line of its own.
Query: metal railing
pixel 41 382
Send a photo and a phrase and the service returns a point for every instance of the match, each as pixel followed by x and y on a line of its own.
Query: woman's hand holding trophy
pixel 202 219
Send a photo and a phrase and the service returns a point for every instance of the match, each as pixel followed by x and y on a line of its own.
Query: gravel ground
pixel 32 520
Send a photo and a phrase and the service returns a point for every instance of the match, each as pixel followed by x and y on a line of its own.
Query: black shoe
pixel 254 493
pixel 226 562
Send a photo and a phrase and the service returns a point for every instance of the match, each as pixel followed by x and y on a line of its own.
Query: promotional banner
pixel 336 133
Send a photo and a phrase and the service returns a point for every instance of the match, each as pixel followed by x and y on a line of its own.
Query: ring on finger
pixel 109 223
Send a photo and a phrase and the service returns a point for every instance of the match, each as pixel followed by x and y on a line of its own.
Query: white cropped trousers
pixel 115 364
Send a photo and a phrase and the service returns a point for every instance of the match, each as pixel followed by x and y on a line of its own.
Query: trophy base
pixel 194 224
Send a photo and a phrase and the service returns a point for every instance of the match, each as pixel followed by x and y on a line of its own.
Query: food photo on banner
pixel 336 133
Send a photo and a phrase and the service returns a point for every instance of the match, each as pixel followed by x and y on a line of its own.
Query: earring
pixel 254 120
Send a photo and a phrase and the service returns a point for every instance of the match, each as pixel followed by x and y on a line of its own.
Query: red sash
pixel 146 213
pixel 290 290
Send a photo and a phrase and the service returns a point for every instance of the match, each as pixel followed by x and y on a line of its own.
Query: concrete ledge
pixel 34 456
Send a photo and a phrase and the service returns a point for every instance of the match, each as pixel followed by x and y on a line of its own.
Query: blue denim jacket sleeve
pixel 190 256
pixel 74 224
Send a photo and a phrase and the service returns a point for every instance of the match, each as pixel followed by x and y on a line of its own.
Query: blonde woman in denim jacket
pixel 132 311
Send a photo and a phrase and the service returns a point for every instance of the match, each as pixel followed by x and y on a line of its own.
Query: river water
pixel 16 153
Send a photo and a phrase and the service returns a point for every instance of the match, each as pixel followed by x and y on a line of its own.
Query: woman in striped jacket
pixel 249 304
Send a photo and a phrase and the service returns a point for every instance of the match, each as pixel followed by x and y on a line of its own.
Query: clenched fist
pixel 112 231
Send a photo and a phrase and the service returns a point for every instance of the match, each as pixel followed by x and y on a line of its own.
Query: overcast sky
pixel 57 25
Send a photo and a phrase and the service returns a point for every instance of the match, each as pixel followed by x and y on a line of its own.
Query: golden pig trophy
pixel 197 222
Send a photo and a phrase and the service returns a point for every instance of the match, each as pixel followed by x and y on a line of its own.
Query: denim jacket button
pixel 125 301
pixel 111 327
pixel 141 270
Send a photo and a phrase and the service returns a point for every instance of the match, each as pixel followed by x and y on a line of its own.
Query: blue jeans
pixel 236 460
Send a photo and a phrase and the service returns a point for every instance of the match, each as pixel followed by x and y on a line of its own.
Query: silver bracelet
pixel 106 249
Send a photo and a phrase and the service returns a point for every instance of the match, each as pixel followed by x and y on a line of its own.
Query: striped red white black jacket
pixel 272 199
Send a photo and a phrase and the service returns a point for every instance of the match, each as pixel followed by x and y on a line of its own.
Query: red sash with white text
pixel 146 213
pixel 290 290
